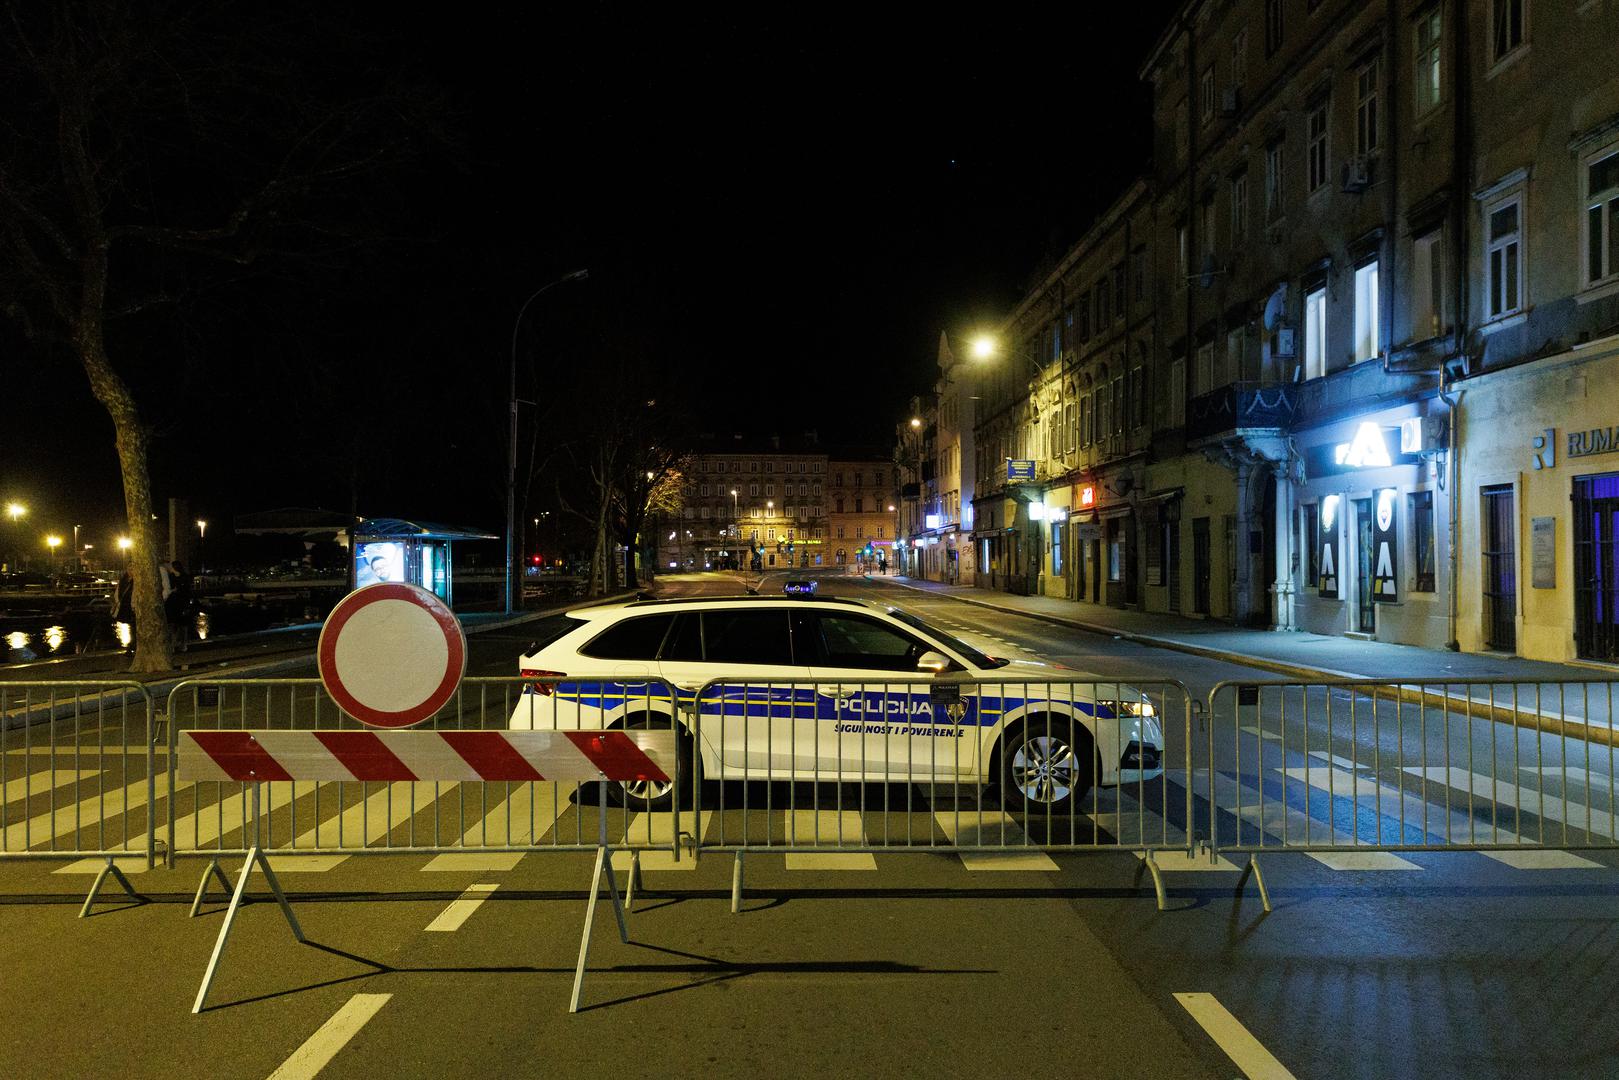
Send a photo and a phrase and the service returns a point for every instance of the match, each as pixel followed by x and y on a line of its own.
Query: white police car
pixel 838 690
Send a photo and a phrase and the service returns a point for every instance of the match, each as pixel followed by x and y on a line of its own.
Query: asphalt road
pixel 1426 963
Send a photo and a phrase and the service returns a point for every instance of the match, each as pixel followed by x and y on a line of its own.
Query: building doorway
pixel 1172 553
pixel 1596 567
pixel 1200 566
pixel 1500 569
pixel 1365 609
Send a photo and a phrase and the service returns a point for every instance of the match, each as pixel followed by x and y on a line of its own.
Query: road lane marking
pixel 1262 733
pixel 831 860
pixel 319 1049
pixel 1539 859
pixel 1504 793
pixel 92 810
pixel 995 827
pixel 38 783
pixel 131 865
pixel 526 815
pixel 1239 1044
pixel 1274 817
pixel 378 815
pixel 1361 860
pixel 474 861
pixel 460 910
pixel 828 827
pixel 300 864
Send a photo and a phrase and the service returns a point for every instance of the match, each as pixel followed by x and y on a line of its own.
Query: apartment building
pixel 750 502
pixel 862 508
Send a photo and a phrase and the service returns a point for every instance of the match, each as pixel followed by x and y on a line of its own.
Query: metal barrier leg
pixel 101 878
pixel 224 931
pixel 604 864
pixel 280 897
pixel 1259 879
pixel 1157 880
pixel 634 882
pixel 736 885
pixel 213 871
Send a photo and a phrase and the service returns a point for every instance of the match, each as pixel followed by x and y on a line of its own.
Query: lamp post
pixel 511 457
pixel 16 511
pixel 736 528
pixel 53 542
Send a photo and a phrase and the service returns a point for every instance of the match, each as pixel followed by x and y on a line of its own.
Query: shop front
pixel 1538 507
pixel 1371 526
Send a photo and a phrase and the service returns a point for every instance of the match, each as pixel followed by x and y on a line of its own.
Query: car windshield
pixel 973 656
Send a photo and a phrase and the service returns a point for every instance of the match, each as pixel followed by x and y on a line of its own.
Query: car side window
pixel 685 641
pixel 747 637
pixel 632 639
pixel 849 641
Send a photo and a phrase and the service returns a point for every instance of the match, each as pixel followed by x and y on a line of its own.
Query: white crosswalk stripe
pixel 43 781
pixel 373 818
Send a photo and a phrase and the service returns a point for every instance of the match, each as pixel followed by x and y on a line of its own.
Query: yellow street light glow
pixel 916 422
pixel 53 542
pixel 16 510
pixel 983 347
pixel 125 543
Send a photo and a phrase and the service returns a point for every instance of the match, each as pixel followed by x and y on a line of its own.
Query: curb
pixel 1408 693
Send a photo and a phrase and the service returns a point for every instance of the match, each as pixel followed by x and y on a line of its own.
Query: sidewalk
pixel 1309 656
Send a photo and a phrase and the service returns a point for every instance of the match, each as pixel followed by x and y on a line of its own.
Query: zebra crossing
pixel 1319 800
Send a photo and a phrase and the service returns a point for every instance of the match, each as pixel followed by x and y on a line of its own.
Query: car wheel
pixel 653 795
pixel 1047 764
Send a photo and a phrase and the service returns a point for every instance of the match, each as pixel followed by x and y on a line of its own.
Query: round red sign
pixel 391 655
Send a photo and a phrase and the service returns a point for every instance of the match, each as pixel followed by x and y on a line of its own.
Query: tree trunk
pixel 630 580
pixel 153 650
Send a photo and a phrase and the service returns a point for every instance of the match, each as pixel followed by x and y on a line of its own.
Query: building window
pixel 1180 251
pixel 1103 303
pixel 1118 404
pixel 837 505
pixel 1206 110
pixel 1084 306
pixel 1366 312
pixel 1239 209
pixel 753 489
pixel 1203 370
pixel 1312 547
pixel 1138 271
pixel 840 532
pixel 1205 225
pixel 1427 285
pixel 1104 411
pixel 1507 25
pixel 1602 215
pixel 1429 90
pixel 859 505
pixel 1069 425
pixel 1318 146
pixel 1085 421
pixel 1315 333
pixel 1273 26
pixel 1504 256
pixel 1274 179
pixel 1420 505
pixel 1118 291
pixel 816 533
pixel 1235 341
pixel 770 489
pixel 1366 109
pixel 1239 58
pixel 1138 396
pixel 1177 392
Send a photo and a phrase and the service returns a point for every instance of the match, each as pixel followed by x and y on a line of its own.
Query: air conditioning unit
pixel 1230 101
pixel 1422 434
pixel 1357 174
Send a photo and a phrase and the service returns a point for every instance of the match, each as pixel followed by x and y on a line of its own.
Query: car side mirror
pixel 933 661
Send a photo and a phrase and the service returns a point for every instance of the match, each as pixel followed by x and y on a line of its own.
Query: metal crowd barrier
pixel 79 778
pixel 214 818
pixel 937 764
pixel 1350 765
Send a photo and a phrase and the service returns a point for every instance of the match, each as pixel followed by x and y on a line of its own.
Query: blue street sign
pixel 1019 470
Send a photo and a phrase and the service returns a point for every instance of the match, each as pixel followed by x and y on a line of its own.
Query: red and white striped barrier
pixel 260 756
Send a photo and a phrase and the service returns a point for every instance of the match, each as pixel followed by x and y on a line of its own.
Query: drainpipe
pixel 1460 171
pixel 1453 467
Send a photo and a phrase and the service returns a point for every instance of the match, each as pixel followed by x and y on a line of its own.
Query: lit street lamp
pixel 16 511
pixel 511 459
pixel 53 542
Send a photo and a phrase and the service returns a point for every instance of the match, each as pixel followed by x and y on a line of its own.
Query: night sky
pixel 784 212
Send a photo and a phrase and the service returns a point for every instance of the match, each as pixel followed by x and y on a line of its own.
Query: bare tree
pixel 147 146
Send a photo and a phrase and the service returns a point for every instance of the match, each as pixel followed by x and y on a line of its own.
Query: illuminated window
pixel 1427 285
pixel 1366 109
pixel 1315 333
pixel 1366 312
pixel 1507 18
pixel 1274 179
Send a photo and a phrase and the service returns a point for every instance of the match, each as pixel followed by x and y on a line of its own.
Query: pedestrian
pixel 882 564
pixel 176 600
pixel 125 611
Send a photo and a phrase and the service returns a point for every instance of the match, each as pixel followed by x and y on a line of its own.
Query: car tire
pixel 652 797
pixel 1047 764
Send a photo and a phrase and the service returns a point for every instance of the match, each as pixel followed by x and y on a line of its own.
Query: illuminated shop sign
pixel 932 520
pixel 1373 447
pixel 1087 495
pixel 1327 585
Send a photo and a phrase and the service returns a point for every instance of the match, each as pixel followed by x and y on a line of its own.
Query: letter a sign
pixel 1328 585
pixel 1385 548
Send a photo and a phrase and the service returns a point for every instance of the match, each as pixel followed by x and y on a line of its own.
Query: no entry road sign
pixel 391 655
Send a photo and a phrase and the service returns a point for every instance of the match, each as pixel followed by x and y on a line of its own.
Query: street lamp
pixel 53 542
pixel 984 347
pixel 511 458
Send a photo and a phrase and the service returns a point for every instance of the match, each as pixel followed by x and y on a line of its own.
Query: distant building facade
pixel 862 504
pixel 751 504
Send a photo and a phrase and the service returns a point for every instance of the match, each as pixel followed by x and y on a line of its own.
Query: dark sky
pixel 787 210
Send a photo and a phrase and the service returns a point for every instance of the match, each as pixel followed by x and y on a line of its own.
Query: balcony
pixel 1240 406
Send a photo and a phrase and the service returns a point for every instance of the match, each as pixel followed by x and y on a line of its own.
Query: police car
pixel 836 689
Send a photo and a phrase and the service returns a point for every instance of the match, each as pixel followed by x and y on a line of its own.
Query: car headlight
pixel 1130 708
